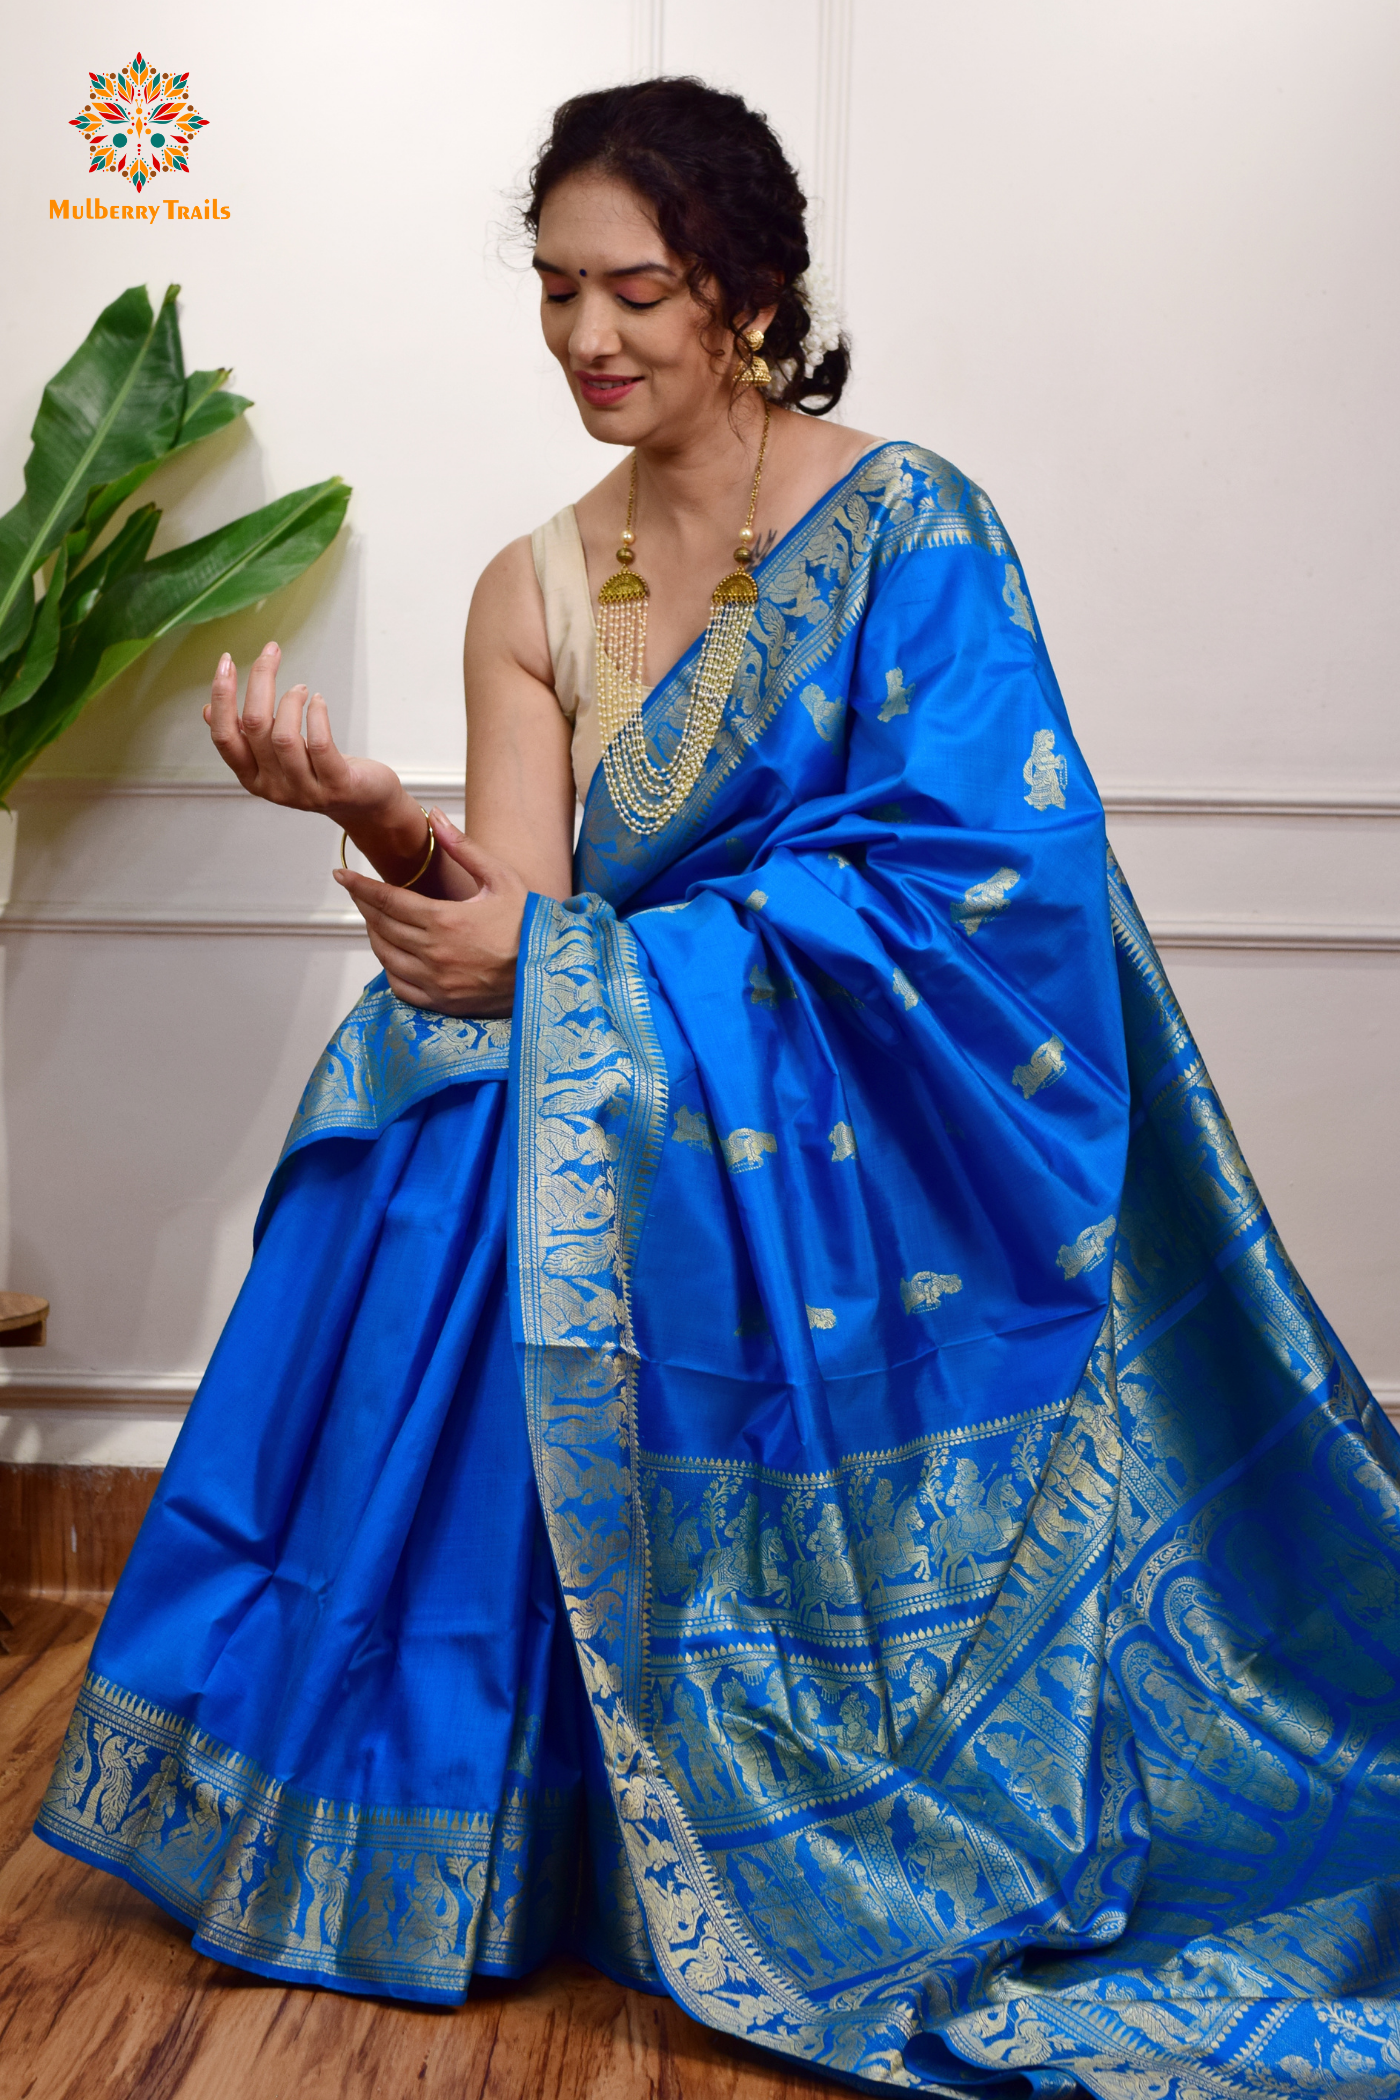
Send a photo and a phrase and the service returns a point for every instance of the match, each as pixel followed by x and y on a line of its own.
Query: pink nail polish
pixel 225 665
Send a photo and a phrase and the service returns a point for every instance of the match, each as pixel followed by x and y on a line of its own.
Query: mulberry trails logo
pixel 138 123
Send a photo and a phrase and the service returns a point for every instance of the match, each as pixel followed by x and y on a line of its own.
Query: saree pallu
pixel 798 1465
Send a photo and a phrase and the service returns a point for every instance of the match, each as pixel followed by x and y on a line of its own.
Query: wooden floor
pixel 102 1998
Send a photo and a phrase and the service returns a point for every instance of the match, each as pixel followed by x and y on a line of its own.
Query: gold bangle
pixel 422 867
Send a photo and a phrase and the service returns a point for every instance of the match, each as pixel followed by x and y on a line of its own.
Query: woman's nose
pixel 594 333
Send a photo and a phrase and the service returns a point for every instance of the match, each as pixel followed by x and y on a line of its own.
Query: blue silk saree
pixel 798 1466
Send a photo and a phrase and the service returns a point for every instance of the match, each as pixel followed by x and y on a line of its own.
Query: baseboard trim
pixel 144 1392
pixel 65 1531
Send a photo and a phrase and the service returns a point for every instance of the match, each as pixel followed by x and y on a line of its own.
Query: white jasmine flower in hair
pixel 813 288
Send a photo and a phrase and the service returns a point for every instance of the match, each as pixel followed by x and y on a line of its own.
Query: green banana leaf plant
pixel 121 407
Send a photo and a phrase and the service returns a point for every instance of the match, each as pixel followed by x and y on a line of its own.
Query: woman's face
pixel 643 361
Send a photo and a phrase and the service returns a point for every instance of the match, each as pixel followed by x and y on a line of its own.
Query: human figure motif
pixel 826 1580
pixel 730 1570
pixel 1045 772
pixel 862 1732
pixel 893 1547
pixel 788 1731
pixel 942 1860
pixel 981 1522
pixel 675 1548
pixel 747 1734
pixel 690 1730
pixel 847 1894
pixel 772 1902
pixel 925 1690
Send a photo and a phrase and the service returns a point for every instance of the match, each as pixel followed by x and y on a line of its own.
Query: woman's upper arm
pixel 520 783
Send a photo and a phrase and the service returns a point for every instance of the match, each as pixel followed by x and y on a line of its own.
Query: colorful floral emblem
pixel 138 122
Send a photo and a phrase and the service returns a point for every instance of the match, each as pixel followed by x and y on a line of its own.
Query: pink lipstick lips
pixel 605 389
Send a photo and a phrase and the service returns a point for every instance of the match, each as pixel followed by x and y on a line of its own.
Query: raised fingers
pixel 260 700
pixel 224 726
pixel 287 750
pixel 327 762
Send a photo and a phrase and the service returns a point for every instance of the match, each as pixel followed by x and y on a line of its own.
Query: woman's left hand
pixel 453 957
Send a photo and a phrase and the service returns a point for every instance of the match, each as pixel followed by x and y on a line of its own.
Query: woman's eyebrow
pixel 642 269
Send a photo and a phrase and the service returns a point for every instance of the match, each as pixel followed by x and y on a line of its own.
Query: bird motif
pixel 744 1149
pixel 693 1128
pixel 897 696
pixel 111 1797
pixel 842 1140
pixel 1088 1250
pixel 984 900
pixel 826 714
pixel 922 1293
pixel 1014 596
pixel 1044 1066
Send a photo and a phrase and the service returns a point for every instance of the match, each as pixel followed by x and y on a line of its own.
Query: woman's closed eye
pixel 638 293
pixel 636 306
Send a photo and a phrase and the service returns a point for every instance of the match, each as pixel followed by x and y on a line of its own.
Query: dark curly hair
pixel 723 194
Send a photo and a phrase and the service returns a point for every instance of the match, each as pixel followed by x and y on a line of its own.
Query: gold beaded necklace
pixel 646 795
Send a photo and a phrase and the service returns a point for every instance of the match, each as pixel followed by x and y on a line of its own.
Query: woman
pixel 769 1436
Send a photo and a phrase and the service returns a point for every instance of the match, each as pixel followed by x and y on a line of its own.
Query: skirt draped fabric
pixel 798 1467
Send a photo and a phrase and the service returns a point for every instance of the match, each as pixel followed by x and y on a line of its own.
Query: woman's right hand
pixel 273 757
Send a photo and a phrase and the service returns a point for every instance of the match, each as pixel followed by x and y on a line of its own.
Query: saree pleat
pixel 819 1485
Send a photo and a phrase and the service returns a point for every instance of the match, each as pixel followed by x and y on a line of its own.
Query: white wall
pixel 1129 266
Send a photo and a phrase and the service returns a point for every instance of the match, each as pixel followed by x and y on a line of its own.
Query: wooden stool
pixel 24 1321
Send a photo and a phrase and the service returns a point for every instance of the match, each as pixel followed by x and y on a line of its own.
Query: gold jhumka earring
pixel 756 372
pixel 646 795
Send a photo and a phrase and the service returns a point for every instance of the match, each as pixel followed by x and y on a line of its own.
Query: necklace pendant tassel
pixel 646 795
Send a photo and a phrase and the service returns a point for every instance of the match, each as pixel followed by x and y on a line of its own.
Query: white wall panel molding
pixel 831 160
pixel 148 920
pixel 1359 938
pixel 1276 937
pixel 1145 801
pixel 441 787
pixel 1139 800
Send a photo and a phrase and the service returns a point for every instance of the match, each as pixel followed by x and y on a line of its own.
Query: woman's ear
pixel 761 319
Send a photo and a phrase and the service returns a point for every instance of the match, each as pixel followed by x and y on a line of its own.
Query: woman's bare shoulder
pixel 507 612
pixel 834 446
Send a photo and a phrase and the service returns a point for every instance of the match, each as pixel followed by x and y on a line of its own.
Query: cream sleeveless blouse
pixel 568 621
